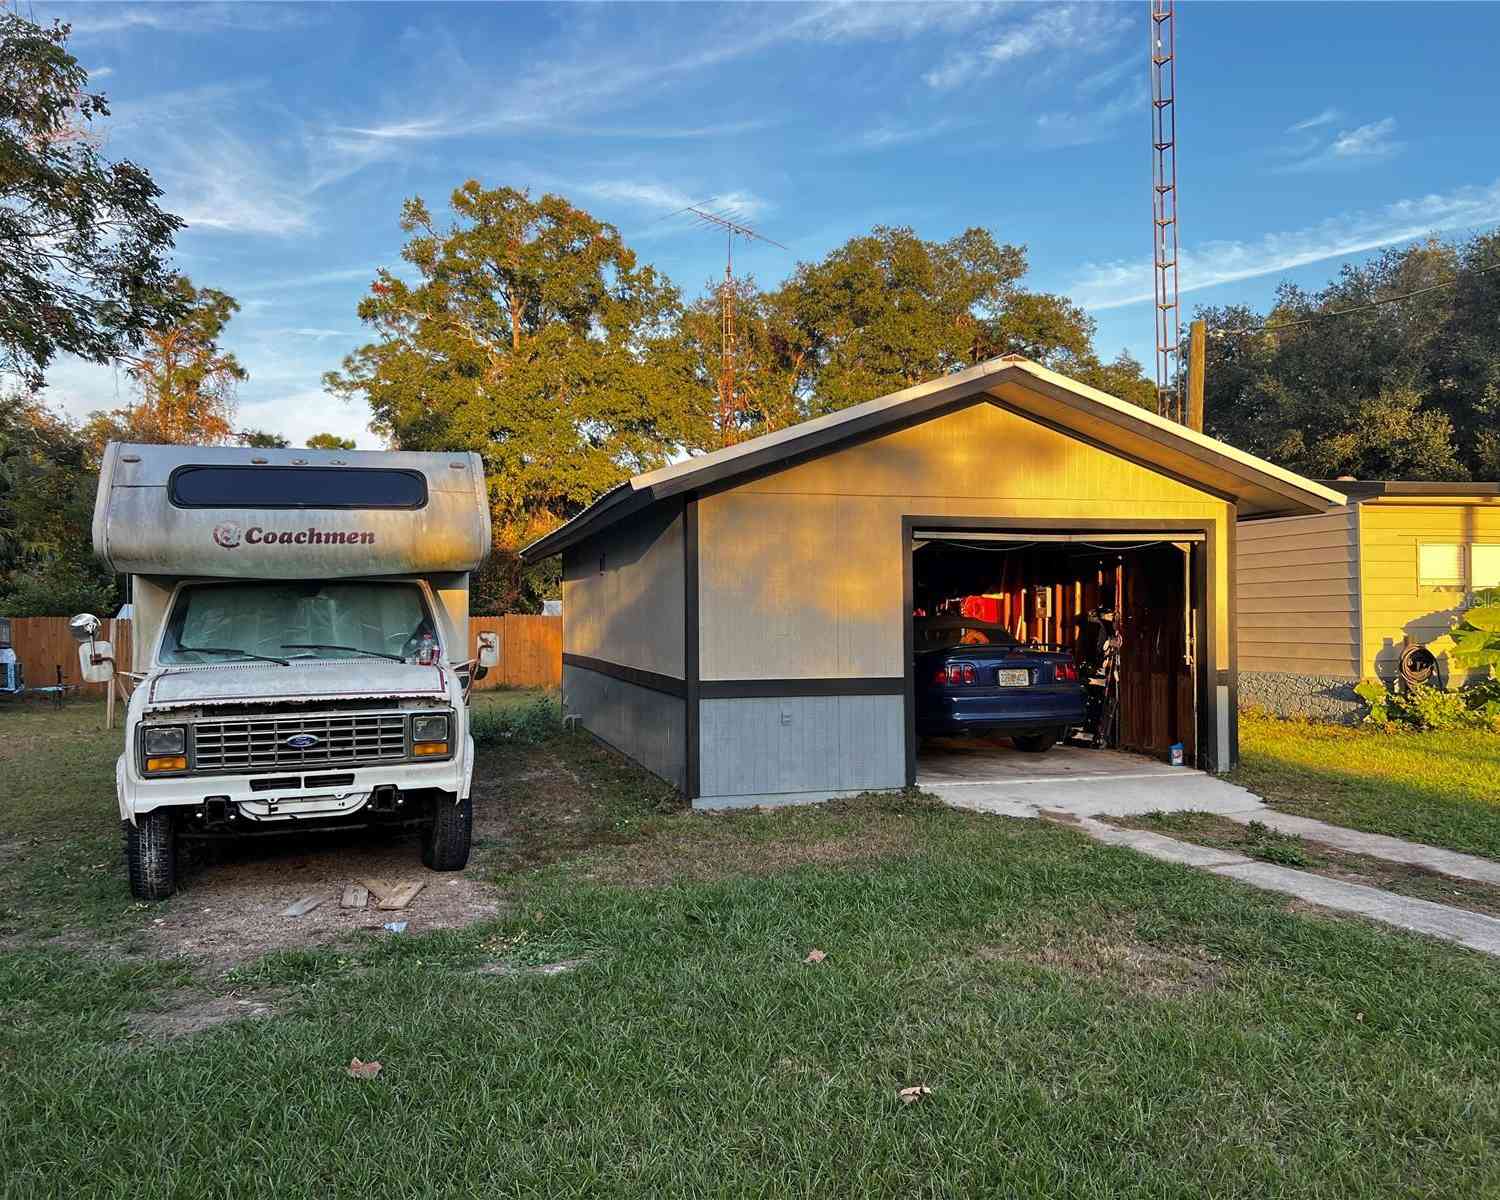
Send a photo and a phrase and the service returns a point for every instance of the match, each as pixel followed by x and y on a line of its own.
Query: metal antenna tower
pixel 1164 196
pixel 729 405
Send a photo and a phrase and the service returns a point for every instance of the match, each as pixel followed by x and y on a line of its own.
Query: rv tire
pixel 151 854
pixel 445 842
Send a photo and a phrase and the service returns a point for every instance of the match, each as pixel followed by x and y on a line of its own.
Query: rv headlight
pixel 165 739
pixel 432 727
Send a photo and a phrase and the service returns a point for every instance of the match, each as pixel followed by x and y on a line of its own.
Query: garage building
pixel 741 622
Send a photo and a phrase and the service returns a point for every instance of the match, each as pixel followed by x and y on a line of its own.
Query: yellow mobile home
pixel 1330 599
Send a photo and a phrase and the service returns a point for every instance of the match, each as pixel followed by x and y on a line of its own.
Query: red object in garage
pixel 982 608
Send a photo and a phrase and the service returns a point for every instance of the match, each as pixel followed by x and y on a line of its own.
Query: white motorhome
pixel 300 643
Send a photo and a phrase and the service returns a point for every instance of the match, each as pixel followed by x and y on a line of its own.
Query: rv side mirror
pixel 96 662
pixel 489 650
pixel 84 627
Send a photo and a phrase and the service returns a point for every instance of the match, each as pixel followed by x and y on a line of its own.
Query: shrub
pixel 1425 707
pixel 519 724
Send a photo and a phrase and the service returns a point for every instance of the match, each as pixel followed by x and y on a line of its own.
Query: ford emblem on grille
pixel 303 741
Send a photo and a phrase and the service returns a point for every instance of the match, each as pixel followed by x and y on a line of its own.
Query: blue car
pixel 974 677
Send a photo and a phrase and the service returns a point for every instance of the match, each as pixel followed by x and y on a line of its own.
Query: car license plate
pixel 1013 678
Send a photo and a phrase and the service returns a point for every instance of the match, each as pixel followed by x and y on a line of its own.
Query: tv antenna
pixel 729 404
pixel 1164 203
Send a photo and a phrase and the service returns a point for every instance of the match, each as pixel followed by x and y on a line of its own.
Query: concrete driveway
pixel 988 775
pixel 1075 785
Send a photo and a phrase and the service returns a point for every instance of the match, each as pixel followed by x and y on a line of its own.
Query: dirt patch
pixel 187 1013
pixel 1114 955
pixel 230 909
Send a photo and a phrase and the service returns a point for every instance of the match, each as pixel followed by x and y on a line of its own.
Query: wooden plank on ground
pixel 303 906
pixel 403 895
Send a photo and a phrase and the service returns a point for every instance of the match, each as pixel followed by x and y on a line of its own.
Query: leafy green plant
pixel 1424 707
pixel 520 724
pixel 1476 636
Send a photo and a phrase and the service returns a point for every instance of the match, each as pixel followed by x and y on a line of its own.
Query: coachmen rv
pixel 301 634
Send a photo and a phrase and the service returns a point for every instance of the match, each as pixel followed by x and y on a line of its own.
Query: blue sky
pixel 288 136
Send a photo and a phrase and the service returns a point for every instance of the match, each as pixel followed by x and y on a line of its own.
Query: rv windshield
pixel 284 622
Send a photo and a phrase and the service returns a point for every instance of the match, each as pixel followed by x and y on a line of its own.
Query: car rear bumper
pixel 939 715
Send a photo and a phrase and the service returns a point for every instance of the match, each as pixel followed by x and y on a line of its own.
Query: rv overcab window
pixel 297 487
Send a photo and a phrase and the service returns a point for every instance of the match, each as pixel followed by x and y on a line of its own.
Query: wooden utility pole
pixel 1197 336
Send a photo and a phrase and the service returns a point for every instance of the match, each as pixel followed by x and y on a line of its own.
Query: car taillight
pixel 956 675
pixel 1065 672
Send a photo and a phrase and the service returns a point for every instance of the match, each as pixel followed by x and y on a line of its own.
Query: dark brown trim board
pixel 772 689
pixel 690 641
pixel 1203 580
pixel 668 685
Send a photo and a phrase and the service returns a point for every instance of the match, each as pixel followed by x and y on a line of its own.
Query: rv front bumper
pixel 288 795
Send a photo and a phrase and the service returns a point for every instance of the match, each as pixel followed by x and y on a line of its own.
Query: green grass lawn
pixel 1439 788
pixel 1091 1023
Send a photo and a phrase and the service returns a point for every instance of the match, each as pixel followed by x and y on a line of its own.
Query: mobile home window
pixel 1440 564
pixel 1484 564
pixel 297 487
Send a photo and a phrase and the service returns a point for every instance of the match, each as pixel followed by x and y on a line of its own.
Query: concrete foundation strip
pixel 1471 929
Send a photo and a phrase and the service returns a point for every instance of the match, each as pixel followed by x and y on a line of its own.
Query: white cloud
pixel 1058 129
pixel 881 137
pixel 300 413
pixel 1350 148
pixel 1115 284
pixel 1105 79
pixel 217 181
pixel 97 73
pixel 1080 28
pixel 859 20
pixel 1368 141
pixel 315 279
pixel 1327 117
pixel 644 194
pixel 104 19
pixel 587 77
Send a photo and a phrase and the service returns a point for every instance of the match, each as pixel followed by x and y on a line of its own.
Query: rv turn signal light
pixel 170 762
pixel 421 749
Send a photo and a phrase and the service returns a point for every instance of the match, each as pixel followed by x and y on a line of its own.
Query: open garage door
pixel 1124 606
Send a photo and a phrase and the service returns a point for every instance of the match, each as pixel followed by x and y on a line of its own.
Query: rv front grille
pixel 293 741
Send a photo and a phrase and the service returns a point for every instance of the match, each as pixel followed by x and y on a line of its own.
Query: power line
pixel 1344 312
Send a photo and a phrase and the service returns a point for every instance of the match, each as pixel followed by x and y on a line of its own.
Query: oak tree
pixel 532 335
pixel 83 242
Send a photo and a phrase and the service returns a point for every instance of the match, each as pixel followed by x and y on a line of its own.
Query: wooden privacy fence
pixel 43 644
pixel 530 651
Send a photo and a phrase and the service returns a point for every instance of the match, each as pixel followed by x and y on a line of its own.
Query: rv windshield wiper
pixel 231 650
pixel 331 646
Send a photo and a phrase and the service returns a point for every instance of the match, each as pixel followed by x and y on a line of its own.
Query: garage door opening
pixel 1123 609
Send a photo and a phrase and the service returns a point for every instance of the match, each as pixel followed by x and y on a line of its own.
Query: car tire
pixel 151 854
pixel 445 842
pixel 1035 743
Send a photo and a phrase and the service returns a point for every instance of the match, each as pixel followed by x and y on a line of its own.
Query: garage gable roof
pixel 1259 488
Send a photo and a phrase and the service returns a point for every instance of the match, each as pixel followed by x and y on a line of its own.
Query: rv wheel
pixel 151 855
pixel 445 843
